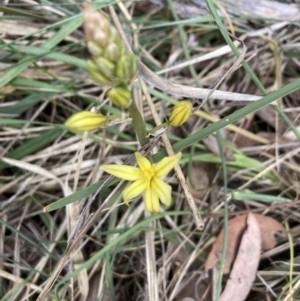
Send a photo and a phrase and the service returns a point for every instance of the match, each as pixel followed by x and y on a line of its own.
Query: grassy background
pixel 237 155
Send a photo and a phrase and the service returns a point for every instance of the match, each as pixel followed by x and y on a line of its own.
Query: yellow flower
pixel 86 121
pixel 181 113
pixel 146 179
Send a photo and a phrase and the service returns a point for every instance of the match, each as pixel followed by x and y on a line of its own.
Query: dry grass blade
pixel 261 9
pixel 180 91
pixel 72 213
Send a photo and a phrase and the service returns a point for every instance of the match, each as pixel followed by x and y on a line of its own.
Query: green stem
pixel 113 117
pixel 161 126
pixel 138 123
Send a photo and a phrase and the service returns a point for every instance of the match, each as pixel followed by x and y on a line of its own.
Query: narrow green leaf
pixel 247 194
pixel 11 121
pixel 23 105
pixel 42 52
pixel 24 63
pixel 85 192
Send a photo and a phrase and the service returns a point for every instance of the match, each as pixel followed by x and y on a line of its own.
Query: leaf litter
pixel 248 235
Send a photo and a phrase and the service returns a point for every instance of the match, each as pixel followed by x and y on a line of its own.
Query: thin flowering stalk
pixel 138 123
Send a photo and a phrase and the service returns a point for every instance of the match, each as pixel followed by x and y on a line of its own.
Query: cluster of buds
pixel 112 64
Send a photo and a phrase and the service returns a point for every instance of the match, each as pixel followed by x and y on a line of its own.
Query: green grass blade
pixel 24 63
pixel 242 195
pixel 228 40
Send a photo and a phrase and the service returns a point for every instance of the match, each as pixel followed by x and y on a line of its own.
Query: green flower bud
pixel 126 68
pixel 86 121
pixel 115 36
pixel 112 52
pixel 120 96
pixel 94 49
pixel 113 63
pixel 105 67
pixel 181 113
pixel 98 76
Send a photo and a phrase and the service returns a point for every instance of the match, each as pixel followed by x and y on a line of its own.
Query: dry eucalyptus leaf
pixel 236 226
pixel 245 265
pixel 268 229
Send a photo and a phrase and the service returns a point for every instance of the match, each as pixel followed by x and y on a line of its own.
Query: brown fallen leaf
pixel 268 229
pixel 236 226
pixel 245 265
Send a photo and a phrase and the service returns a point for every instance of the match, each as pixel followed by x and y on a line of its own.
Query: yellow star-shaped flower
pixel 146 179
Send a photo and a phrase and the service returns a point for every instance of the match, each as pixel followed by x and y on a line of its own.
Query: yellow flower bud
pixel 181 113
pixel 86 121
pixel 120 96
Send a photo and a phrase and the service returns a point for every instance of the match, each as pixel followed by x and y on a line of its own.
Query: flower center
pixel 149 174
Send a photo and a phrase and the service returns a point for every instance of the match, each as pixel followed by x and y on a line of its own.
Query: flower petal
pixel 151 200
pixel 162 190
pixel 143 162
pixel 134 190
pixel 166 164
pixel 125 172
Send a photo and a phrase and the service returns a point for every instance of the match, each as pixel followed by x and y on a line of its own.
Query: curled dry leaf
pixel 236 226
pixel 245 265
